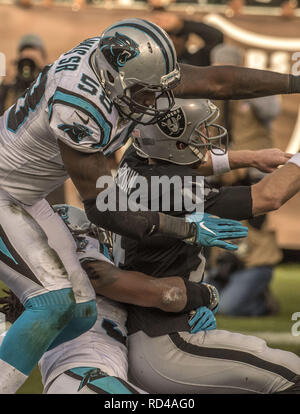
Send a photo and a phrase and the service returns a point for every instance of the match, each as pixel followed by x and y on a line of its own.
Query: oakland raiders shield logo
pixel 173 124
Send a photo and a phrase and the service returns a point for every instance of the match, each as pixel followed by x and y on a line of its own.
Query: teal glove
pixel 212 231
pixel 202 319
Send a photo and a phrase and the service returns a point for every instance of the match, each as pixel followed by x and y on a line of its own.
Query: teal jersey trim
pixel 89 108
pixel 5 251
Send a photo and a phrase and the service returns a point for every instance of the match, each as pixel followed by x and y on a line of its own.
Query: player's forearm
pixel 169 294
pixel 241 159
pixel 266 160
pixel 232 82
pixel 174 294
pixel 275 189
pixel 136 288
pixel 232 160
pixel 138 224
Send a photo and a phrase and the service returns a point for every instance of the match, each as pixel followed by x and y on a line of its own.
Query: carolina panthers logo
pixel 118 49
pixel 173 124
pixel 76 131
pixel 90 376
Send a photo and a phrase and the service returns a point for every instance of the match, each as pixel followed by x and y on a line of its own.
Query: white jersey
pixel 65 103
pixel 101 347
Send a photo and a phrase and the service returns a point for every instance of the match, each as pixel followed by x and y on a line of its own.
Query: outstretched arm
pixel 275 189
pixel 233 82
pixel 266 160
pixel 85 169
pixel 267 195
pixel 169 294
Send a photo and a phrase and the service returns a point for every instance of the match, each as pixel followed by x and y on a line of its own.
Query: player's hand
pixel 202 319
pixel 267 160
pixel 212 231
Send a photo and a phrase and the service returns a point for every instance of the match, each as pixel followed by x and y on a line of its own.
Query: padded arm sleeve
pixel 135 225
pixel 232 203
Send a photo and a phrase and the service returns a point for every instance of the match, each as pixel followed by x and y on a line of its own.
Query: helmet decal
pixel 118 49
pixel 173 124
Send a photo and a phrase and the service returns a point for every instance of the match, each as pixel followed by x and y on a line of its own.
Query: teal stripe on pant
pixel 100 382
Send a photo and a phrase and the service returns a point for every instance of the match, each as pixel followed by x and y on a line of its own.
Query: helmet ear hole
pixel 180 145
pixel 110 77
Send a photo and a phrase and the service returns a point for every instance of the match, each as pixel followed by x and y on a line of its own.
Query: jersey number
pixel 27 103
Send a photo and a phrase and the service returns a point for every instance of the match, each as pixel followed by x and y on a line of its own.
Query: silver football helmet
pixel 136 57
pixel 184 135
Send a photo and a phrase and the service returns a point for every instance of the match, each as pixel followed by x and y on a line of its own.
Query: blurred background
pixel 263 34
pixel 267 32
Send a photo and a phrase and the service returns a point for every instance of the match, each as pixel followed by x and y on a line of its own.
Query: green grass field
pixel 275 329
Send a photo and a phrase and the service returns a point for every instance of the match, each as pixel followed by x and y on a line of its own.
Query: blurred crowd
pixel 246 275
pixel 233 7
pixel 243 278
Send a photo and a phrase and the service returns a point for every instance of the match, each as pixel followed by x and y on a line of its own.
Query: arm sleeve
pixel 135 225
pixel 231 203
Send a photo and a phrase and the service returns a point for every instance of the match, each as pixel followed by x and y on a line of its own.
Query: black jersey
pixel 162 256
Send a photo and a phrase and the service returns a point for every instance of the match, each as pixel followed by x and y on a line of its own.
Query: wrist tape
pixel 295 159
pixel 220 162
pixel 174 227
pixel 197 295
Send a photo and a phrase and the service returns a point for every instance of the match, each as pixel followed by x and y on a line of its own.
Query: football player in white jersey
pixel 96 361
pixel 80 109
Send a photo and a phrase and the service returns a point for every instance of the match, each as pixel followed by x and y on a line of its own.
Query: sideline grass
pixel 286 288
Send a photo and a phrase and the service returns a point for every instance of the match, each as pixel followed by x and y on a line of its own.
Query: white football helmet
pixel 137 57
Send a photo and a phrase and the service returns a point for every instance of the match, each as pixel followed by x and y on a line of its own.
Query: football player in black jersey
pixel 164 357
